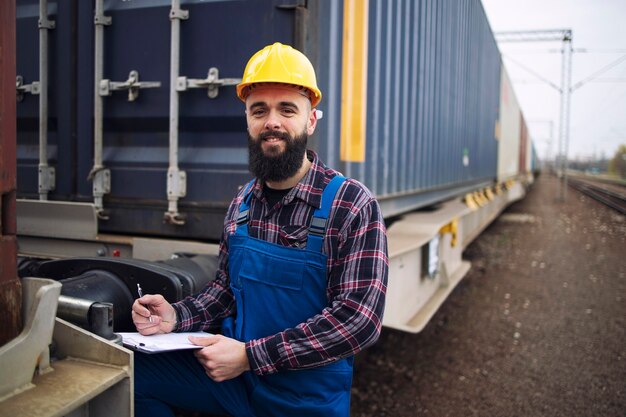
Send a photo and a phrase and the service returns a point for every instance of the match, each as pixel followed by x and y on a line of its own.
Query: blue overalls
pixel 278 287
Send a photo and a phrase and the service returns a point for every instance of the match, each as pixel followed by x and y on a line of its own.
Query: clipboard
pixel 160 342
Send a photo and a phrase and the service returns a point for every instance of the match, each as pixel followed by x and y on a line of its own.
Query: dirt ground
pixel 536 328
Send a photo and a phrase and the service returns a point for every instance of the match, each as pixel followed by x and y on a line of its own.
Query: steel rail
pixel 612 199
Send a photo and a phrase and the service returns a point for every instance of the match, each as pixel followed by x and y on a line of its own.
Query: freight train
pixel 131 141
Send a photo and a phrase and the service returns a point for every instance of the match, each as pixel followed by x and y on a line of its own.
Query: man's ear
pixel 311 122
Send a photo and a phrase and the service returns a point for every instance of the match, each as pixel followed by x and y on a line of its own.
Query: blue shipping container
pixel 430 101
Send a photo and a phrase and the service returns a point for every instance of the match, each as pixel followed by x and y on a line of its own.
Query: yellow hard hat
pixel 278 63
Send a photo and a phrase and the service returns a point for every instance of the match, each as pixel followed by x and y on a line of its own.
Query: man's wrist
pixel 175 322
pixel 175 326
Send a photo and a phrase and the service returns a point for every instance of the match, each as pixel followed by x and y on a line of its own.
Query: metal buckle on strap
pixel 243 217
pixel 318 226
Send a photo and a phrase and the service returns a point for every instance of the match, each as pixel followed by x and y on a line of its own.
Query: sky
pixel 598 106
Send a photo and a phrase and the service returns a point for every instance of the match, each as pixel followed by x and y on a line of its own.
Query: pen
pixel 140 292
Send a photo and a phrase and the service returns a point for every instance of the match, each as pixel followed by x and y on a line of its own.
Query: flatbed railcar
pixel 131 141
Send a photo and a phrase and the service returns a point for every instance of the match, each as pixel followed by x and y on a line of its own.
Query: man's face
pixel 279 121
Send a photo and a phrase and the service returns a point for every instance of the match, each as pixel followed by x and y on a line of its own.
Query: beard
pixel 276 166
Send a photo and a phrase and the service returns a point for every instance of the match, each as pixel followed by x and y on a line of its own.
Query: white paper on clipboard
pixel 160 342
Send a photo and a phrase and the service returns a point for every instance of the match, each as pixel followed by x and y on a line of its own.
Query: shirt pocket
pixel 293 236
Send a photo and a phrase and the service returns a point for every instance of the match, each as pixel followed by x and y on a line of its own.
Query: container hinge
pixel 132 84
pixel 45 23
pixel 47 177
pixel 176 188
pixel 212 82
pixel 176 183
pixel 101 19
pixel 21 88
pixel 101 185
pixel 177 13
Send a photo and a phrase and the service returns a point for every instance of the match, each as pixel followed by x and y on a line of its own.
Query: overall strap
pixel 317 230
pixel 244 211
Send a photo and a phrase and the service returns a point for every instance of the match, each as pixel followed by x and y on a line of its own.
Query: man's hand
pixel 222 357
pixel 152 314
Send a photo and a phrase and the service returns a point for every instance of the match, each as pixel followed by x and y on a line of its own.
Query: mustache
pixel 276 134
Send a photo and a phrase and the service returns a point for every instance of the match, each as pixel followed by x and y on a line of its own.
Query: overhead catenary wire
pixel 599 72
pixel 534 73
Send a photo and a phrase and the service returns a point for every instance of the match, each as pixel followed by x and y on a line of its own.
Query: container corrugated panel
pixel 433 97
pixel 433 77
pixel 510 131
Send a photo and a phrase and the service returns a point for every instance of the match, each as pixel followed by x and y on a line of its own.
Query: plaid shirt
pixel 356 246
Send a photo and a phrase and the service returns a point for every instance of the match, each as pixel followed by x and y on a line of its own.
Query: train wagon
pixel 131 141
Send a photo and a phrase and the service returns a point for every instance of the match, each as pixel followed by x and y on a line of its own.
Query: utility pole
pixel 565 36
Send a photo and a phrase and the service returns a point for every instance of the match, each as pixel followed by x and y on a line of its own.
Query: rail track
pixel 610 194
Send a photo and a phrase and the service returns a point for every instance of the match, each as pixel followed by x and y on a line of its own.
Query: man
pixel 301 280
